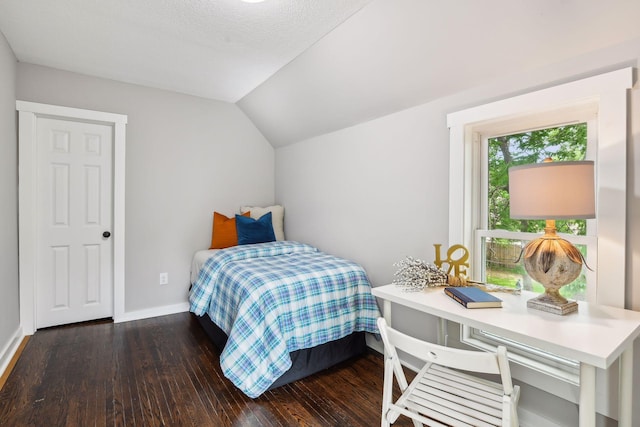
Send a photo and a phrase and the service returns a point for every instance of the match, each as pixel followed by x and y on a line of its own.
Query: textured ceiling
pixel 220 49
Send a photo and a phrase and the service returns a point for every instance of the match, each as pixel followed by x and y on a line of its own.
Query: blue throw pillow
pixel 255 230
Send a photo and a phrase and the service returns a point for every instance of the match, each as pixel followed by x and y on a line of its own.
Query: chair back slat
pixel 477 361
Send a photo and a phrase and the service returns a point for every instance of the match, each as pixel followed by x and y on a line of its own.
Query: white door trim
pixel 28 113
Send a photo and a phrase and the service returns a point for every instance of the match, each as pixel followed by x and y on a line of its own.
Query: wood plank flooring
pixel 165 372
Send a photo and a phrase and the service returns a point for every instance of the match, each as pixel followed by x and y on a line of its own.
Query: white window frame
pixel 602 99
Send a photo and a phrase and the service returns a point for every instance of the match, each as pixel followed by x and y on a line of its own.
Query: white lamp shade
pixel 552 190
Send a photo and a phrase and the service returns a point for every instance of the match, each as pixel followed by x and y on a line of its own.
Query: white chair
pixel 440 394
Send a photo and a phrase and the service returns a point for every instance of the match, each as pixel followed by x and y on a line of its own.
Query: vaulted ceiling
pixel 301 68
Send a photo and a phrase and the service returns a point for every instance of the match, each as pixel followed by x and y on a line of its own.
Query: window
pixel 499 238
pixel 596 107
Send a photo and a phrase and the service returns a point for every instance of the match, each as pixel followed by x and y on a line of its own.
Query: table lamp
pixel 556 190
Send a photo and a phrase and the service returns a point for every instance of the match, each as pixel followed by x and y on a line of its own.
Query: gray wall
pixel 378 191
pixel 9 290
pixel 185 157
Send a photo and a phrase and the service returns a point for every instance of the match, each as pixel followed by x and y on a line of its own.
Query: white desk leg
pixel 386 307
pixel 442 331
pixel 625 403
pixel 587 395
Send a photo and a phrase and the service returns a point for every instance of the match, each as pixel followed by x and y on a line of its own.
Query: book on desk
pixel 471 297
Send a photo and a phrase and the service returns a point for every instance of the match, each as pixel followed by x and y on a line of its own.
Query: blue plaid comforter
pixel 274 298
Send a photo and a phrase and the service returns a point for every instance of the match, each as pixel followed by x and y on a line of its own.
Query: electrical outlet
pixel 164 278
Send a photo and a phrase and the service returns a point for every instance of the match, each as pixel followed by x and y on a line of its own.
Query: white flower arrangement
pixel 415 275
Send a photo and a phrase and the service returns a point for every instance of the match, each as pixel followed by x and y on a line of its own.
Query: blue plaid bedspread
pixel 274 298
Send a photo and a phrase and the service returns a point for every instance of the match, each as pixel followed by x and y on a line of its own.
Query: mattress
pixel 199 258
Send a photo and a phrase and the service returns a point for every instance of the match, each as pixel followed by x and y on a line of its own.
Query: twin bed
pixel 280 311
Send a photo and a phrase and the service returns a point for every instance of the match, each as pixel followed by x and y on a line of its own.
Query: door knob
pixel 106 234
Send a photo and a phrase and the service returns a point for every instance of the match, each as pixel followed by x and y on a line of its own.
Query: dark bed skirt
pixel 305 362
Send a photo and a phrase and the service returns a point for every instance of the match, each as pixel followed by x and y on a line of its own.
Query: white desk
pixel 594 335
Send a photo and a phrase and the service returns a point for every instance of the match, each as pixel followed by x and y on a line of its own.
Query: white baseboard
pixel 374 344
pixel 7 352
pixel 152 312
pixel 530 419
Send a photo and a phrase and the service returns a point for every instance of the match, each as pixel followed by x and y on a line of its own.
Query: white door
pixel 74 204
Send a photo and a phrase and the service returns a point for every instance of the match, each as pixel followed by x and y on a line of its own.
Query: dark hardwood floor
pixel 165 372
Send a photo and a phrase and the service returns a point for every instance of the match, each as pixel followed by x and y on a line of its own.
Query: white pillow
pixel 277 217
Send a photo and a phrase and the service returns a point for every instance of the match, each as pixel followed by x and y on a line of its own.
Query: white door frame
pixel 28 214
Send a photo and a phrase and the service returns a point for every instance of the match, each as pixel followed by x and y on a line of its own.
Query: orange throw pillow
pixel 223 232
